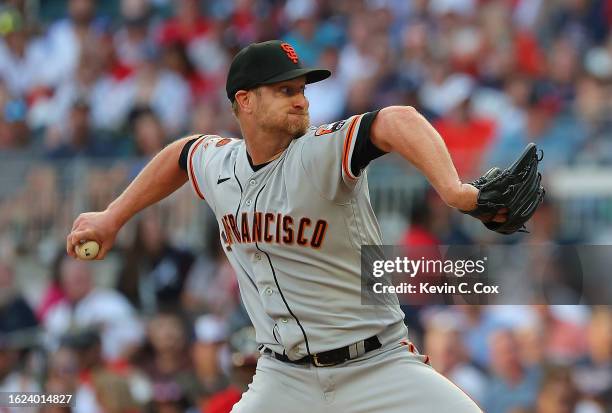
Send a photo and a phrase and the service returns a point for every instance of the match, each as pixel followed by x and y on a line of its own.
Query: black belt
pixel 331 357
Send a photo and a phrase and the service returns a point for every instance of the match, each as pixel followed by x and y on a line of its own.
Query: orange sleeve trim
pixel 348 140
pixel 194 181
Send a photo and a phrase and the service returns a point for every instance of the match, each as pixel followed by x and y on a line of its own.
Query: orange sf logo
pixel 290 51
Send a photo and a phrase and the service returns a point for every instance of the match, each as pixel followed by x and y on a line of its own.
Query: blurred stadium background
pixel 91 90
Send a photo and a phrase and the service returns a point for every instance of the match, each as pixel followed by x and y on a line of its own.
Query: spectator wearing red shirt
pixel 187 25
pixel 54 293
pixel 244 363
pixel 176 59
pixel 467 136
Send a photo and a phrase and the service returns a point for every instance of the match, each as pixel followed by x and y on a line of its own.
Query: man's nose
pixel 300 102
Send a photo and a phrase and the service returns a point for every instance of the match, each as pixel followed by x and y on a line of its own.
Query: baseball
pixel 87 250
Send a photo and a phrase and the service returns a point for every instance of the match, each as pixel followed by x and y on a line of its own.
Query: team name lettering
pixel 272 228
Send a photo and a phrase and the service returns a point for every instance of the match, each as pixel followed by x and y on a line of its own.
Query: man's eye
pixel 285 90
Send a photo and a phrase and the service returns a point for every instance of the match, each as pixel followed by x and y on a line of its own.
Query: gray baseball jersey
pixel 292 230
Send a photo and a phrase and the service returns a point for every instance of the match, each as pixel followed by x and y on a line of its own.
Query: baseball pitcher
pixel 293 209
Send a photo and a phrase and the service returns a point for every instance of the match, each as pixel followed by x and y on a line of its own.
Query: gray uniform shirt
pixel 293 230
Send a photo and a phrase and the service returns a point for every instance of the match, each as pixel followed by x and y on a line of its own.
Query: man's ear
pixel 244 99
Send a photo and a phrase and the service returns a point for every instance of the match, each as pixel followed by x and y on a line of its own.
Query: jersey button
pixel 248 202
pixel 257 256
pixel 284 320
pixel 252 182
pixel 269 291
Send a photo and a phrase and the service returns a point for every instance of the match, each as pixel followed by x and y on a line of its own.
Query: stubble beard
pixel 292 125
pixel 298 127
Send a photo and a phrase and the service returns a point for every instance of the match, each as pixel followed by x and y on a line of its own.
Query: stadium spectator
pixel 166 362
pixel 33 207
pixel 78 139
pixel 356 61
pixel 89 307
pixel 162 90
pixel 62 371
pixel 559 133
pixel 19 59
pixel 210 59
pixel 593 373
pixel 422 226
pixel 414 54
pixel 327 101
pixel 244 362
pixel 176 59
pixel 245 25
pixel 479 323
pixel 116 84
pixel 149 137
pixel 467 136
pixel 210 355
pixel 14 131
pixel 135 34
pixel 153 272
pixel 98 387
pixel 213 118
pixel 14 377
pixel 56 111
pixel 305 35
pixel 66 39
pixel 17 319
pixel 211 285
pixel 558 394
pixel 513 384
pixel 448 356
pixel 584 22
pixel 18 335
pixel 564 332
pixel 505 106
pixel 188 24
pixel 53 293
pixel 113 393
pixel 594 108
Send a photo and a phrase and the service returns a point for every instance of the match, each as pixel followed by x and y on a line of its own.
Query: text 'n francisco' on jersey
pixel 293 228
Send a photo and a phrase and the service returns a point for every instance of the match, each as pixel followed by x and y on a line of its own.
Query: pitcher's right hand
pixel 101 227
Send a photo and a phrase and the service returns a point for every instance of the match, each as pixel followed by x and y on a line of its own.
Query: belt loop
pixel 360 348
pixel 353 351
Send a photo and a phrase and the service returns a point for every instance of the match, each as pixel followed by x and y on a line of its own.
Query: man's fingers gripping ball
pixel 87 250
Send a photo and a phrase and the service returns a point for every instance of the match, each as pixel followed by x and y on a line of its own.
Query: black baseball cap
pixel 267 62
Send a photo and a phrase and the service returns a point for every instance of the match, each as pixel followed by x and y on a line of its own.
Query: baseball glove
pixel 517 189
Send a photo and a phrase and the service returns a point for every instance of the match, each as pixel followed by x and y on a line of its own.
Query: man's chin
pixel 298 131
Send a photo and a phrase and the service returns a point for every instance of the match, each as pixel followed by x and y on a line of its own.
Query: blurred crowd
pixel 116 81
pixel 490 74
pixel 169 335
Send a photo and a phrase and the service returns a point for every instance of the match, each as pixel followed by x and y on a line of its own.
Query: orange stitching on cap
pixel 290 52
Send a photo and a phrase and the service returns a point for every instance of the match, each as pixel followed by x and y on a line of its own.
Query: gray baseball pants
pixel 392 379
